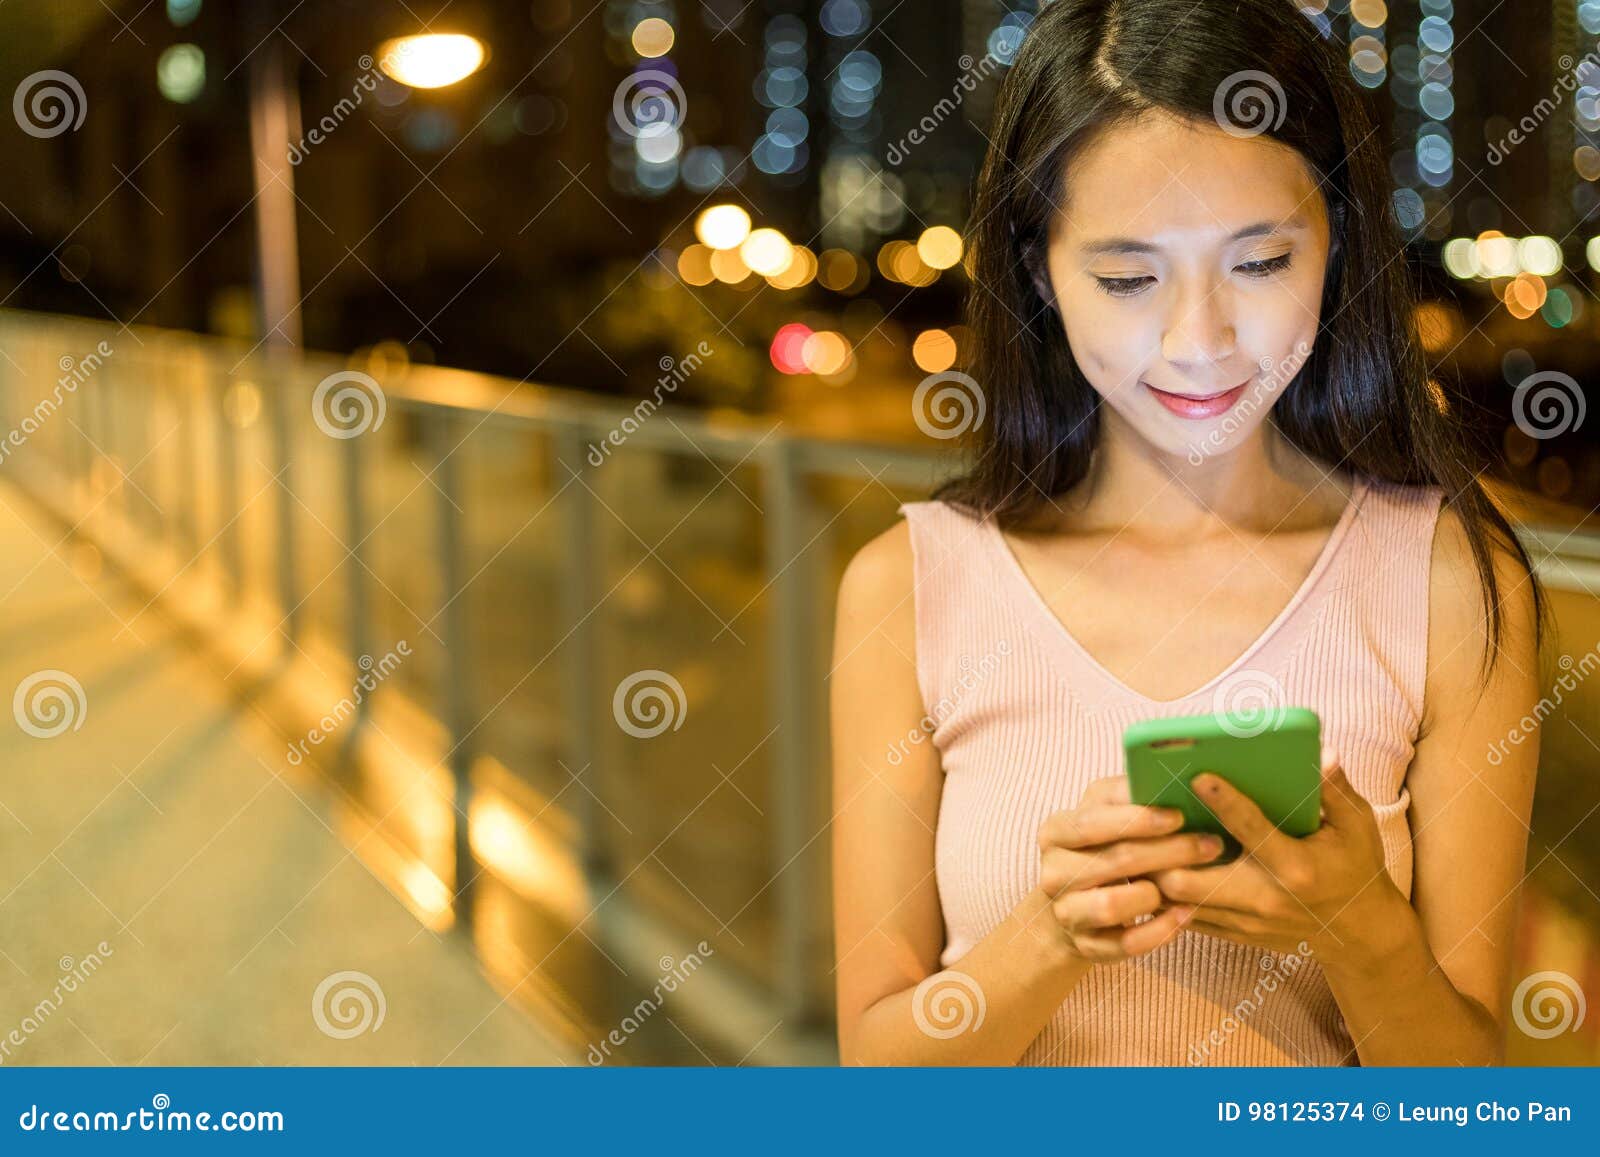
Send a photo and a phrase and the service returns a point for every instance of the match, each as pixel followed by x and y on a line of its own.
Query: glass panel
pixel 684 668
pixel 401 550
pixel 516 546
pixel 245 407
pixel 321 522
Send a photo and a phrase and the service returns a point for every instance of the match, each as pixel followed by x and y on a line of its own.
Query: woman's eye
pixel 1267 267
pixel 1122 286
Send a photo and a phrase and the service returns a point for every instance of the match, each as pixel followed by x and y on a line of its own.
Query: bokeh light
pixel 431 60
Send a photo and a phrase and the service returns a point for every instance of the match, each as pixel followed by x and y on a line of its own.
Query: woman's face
pixel 1188 263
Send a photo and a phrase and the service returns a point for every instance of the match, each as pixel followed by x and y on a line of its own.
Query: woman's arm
pixel 887 924
pixel 895 1006
pixel 1439 996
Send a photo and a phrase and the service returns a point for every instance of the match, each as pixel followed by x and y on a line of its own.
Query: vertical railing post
pixel 580 580
pixel 358 629
pixel 280 370
pixel 228 511
pixel 456 694
pixel 190 411
pixel 791 693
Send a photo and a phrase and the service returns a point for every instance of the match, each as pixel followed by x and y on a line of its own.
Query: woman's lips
pixel 1210 406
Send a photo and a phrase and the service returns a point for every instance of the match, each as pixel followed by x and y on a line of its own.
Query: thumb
pixel 1342 804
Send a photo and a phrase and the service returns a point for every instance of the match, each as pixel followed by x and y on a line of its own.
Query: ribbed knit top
pixel 1025 718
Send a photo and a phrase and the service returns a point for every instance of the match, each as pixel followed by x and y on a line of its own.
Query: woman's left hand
pixel 1328 891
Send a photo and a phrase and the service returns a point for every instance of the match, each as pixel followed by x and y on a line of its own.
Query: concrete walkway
pixel 166 896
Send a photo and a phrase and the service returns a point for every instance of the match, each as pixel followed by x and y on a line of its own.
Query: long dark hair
pixel 1361 400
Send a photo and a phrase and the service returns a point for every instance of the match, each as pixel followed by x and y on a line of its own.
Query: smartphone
pixel 1276 761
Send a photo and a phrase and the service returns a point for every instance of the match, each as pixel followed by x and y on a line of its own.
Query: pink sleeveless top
pixel 1025 718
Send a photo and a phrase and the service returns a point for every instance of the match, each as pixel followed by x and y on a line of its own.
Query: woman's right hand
pixel 1091 862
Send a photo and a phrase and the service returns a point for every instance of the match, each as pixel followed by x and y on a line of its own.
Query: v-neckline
pixel 1055 629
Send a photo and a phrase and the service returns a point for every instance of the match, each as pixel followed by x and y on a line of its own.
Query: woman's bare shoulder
pixel 880 574
pixel 876 612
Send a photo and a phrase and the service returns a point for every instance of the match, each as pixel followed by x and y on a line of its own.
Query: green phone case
pixel 1276 761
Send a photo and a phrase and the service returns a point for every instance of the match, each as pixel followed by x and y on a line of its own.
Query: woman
pixel 1211 475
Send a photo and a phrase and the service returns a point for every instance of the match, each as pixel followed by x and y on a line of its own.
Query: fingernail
pixel 1212 845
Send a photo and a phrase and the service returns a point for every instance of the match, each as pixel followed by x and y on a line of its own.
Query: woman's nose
pixel 1200 332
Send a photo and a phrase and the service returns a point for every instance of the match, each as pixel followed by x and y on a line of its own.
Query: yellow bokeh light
pixel 934 351
pixel 694 265
pixel 1525 295
pixel 1438 325
pixel 910 269
pixel 728 267
pixel 653 37
pixel 722 226
pixel 840 270
pixel 1586 159
pixel 887 256
pixel 939 247
pixel 1497 254
pixel 767 252
pixel 802 270
pixel 1369 13
pixel 826 352
pixel 431 60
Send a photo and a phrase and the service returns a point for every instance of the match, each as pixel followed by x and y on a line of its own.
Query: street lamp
pixel 431 60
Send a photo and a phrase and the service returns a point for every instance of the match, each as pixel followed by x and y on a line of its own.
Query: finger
pixel 1103 824
pixel 1107 789
pixel 1148 856
pixel 1094 908
pixel 1112 945
pixel 1247 923
pixel 1240 815
pixel 1243 885
pixel 1155 932
pixel 1342 805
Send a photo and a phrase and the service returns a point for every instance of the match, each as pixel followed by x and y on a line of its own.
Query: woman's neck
pixel 1263 483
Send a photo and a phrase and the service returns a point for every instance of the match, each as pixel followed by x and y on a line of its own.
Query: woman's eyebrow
pixel 1132 245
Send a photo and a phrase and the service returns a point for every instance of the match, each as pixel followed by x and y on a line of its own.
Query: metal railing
pixel 535 548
